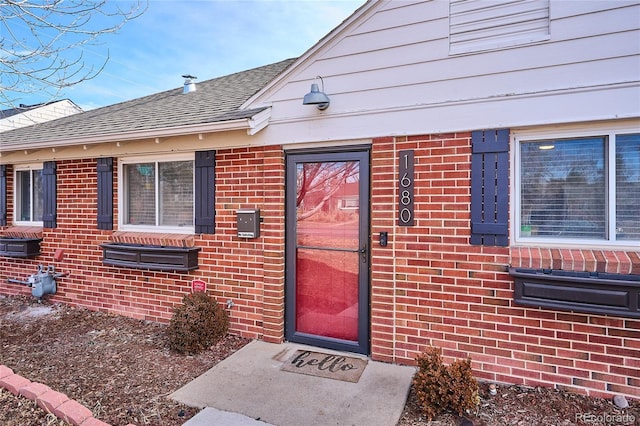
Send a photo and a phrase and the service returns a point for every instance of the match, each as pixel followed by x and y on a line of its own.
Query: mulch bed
pixel 518 405
pixel 122 370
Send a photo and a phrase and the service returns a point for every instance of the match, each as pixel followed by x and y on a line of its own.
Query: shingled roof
pixel 215 101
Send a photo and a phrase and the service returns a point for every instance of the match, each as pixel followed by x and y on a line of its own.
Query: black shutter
pixel 490 187
pixel 3 195
pixel 49 194
pixel 204 192
pixel 105 193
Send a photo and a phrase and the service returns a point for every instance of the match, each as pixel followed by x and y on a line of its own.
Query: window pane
pixel 176 193
pixel 327 293
pixel 140 194
pixel 563 188
pixel 628 187
pixel 23 193
pixel 38 196
pixel 322 190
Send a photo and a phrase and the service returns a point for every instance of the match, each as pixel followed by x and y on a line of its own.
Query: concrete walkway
pixel 248 388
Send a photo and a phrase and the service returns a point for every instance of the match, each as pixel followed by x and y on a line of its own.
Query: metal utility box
pixel 248 221
pixel 42 282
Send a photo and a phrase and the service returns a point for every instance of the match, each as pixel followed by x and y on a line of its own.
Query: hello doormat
pixel 338 367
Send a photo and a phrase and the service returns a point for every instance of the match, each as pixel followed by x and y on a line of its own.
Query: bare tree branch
pixel 323 178
pixel 42 48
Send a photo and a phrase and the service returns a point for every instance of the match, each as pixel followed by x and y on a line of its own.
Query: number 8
pixel 406 198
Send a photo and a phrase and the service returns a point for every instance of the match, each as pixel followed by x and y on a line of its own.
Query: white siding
pixel 388 70
pixel 476 25
pixel 40 114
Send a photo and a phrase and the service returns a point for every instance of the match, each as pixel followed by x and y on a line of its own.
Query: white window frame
pixel 610 131
pixel 21 168
pixel 121 193
pixel 346 204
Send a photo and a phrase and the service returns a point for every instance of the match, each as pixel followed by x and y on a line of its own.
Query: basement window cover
pixel 157 258
pixel 589 292
pixel 19 247
pixel 21 241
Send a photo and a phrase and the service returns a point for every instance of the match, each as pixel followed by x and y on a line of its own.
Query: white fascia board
pixel 252 125
pixel 259 121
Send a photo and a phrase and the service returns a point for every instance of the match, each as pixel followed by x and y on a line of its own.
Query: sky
pixel 205 38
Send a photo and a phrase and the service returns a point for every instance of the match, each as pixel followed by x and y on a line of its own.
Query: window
pixel 349 203
pixel 158 193
pixel 627 165
pixel 578 189
pixel 29 200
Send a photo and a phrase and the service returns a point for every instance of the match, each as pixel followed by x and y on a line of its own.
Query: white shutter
pixel 476 25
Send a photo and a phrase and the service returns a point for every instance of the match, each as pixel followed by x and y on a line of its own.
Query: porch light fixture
pixel 316 97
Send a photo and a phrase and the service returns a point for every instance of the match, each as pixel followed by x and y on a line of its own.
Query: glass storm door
pixel 327 283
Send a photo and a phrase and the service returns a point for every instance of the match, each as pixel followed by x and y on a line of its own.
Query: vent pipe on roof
pixel 189 85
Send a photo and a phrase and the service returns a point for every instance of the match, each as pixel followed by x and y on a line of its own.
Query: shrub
pixel 440 388
pixel 197 324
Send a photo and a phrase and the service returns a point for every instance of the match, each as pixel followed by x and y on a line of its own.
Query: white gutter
pixel 252 125
pixel 259 121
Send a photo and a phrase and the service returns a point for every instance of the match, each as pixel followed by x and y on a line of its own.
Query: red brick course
pixel 13 383
pixel 33 390
pixel 590 260
pixel 49 400
pixel 5 371
pixel 72 412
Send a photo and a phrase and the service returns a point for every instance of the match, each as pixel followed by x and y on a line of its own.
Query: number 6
pixel 405 181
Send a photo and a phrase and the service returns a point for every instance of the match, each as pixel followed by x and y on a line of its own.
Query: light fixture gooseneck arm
pixel 317 97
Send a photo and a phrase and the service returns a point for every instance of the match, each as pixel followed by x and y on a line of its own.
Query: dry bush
pixel 197 324
pixel 441 388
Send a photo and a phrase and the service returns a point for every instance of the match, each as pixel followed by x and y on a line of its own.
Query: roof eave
pixel 259 121
pixel 252 125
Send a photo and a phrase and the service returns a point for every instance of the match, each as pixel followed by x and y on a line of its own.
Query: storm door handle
pixel 363 253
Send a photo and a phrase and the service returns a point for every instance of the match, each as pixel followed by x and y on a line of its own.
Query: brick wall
pixel 430 287
pixel 234 269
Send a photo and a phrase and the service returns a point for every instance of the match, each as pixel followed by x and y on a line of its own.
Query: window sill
pixel 520 242
pixel 589 292
pixel 156 258
pixel 153 239
pixel 571 259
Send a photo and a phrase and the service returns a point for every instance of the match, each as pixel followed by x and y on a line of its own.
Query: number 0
pixel 405 215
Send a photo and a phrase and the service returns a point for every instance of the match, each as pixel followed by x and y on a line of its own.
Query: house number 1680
pixel 405 189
